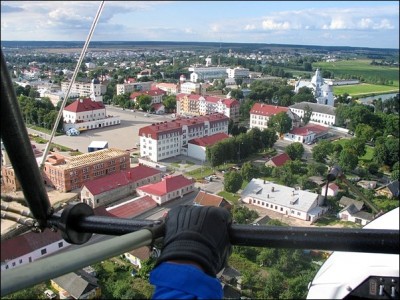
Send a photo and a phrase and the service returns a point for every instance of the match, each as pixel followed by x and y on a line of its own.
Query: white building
pixel 260 114
pixel 192 87
pixel 238 73
pixel 322 90
pixel 321 114
pixel 285 200
pixel 94 89
pixel 306 134
pixel 169 88
pixel 168 139
pixel 87 114
pixel 133 87
pixel 197 147
pixel 207 73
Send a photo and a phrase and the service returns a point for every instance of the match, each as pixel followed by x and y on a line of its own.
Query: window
pixel 60 244
pixel 43 251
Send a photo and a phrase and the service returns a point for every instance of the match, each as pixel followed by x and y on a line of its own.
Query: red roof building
pixel 132 208
pixel 278 160
pixel 306 134
pixel 206 199
pixel 260 114
pixel 156 95
pixel 197 147
pixel 170 187
pixel 84 105
pixel 108 189
pixel 168 139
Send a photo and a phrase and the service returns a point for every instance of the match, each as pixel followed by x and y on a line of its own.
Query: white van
pixel 50 294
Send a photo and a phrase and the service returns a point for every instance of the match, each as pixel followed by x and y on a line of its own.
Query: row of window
pixel 271 206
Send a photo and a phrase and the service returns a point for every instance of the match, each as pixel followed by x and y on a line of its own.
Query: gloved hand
pixel 198 234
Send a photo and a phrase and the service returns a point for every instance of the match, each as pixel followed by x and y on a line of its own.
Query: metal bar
pixel 334 239
pixel 19 149
pixel 54 266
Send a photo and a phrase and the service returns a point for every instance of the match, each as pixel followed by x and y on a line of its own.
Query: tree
pixel 248 171
pixel 348 159
pixel 321 151
pixel 281 122
pixel 307 114
pixel 295 150
pixel 169 103
pixel 243 215
pixel 364 131
pixel 357 144
pixel 144 102
pixel 232 182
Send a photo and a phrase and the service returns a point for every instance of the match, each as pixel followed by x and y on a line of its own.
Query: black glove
pixel 198 234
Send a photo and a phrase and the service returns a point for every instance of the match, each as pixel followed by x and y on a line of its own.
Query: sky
pixel 373 24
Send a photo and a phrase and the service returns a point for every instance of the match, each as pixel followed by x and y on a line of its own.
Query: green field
pixel 368 149
pixel 361 67
pixel 364 89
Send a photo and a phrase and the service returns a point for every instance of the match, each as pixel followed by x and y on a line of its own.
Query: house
pixel 352 211
pixel 260 113
pixel 197 147
pixel 77 285
pixel 137 256
pixel 169 88
pixel 206 199
pixel 306 134
pixel 107 189
pixel 170 188
pixel 278 160
pixel 367 184
pixel 155 94
pixel 28 247
pixel 390 190
pixel 285 200
pixel 231 281
pixel 333 189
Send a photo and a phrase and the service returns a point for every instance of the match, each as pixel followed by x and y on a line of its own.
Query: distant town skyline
pixel 372 24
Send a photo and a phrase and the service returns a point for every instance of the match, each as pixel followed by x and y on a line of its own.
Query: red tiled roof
pixel 209 140
pixel 26 243
pixel 206 199
pixel 267 110
pixel 308 129
pixel 132 208
pixel 82 105
pixel 280 160
pixel 333 186
pixel 167 185
pixel 113 181
pixel 151 93
pixel 157 106
pixel 176 125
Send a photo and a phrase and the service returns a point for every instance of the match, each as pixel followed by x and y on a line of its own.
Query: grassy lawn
pixel 369 150
pixel 364 89
pixel 232 198
pixel 200 172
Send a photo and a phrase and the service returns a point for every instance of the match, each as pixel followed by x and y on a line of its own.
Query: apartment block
pixel 198 105
pixel 168 139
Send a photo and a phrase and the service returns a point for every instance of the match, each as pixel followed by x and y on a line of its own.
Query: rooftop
pixel 132 208
pixel 209 140
pixel 316 108
pixel 267 110
pixel 82 105
pixel 167 185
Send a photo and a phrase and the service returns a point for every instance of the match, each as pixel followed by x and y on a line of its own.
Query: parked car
pixel 72 132
pixel 50 294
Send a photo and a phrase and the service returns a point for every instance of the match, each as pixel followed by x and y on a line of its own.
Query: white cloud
pixel 249 27
pixel 273 25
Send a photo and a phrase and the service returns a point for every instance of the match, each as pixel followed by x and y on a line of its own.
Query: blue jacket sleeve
pixel 178 281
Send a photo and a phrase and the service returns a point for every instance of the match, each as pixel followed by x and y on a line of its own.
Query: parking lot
pixel 122 136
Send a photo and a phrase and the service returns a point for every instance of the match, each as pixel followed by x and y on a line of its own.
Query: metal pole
pixel 335 239
pixel 18 146
pixel 54 266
